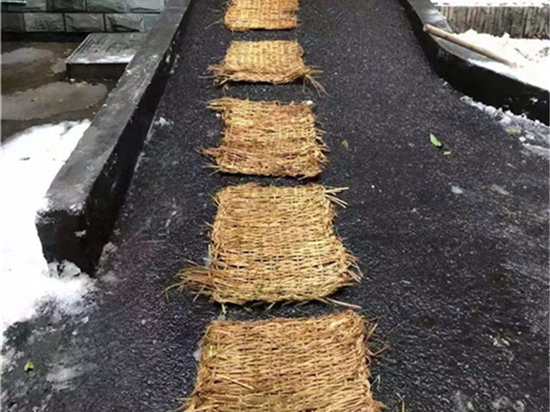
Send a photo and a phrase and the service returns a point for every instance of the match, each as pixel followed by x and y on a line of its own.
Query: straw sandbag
pixel 268 138
pixel 285 365
pixel 273 244
pixel 243 15
pixel 271 61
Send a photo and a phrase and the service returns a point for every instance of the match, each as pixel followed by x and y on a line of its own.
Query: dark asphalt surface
pixel 453 248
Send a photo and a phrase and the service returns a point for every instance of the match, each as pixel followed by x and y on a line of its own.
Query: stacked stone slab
pixel 84 16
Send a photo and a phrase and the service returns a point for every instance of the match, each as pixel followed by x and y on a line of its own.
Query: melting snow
pixel 29 162
pixel 531 56
pixel 457 190
pixel 534 135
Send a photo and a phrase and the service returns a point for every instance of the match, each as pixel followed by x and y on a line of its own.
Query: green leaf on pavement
pixel 345 144
pixel 447 153
pixel 435 141
pixel 29 366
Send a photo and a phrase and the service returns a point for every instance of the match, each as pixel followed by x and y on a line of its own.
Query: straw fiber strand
pixel 273 244
pixel 285 365
pixel 268 138
pixel 243 15
pixel 271 61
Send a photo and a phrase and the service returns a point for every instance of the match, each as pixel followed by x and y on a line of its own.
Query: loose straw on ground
pixel 285 365
pixel 273 244
pixel 271 61
pixel 268 138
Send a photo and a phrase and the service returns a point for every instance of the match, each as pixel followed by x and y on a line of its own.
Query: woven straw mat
pixel 243 15
pixel 272 61
pixel 285 365
pixel 273 244
pixel 268 138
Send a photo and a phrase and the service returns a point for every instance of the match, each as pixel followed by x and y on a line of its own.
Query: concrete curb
pixel 86 195
pixel 454 64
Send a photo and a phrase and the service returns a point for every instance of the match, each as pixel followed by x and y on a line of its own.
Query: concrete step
pixel 103 55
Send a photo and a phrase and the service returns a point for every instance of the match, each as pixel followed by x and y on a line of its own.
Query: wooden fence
pixel 518 22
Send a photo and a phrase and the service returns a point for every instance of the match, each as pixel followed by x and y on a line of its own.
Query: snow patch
pixel 531 56
pixel 534 135
pixel 504 403
pixel 499 189
pixel 63 377
pixel 539 151
pixel 163 122
pixel 29 162
pixel 457 190
pixel 109 277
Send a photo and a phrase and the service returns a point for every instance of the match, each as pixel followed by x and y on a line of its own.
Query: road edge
pixel 85 197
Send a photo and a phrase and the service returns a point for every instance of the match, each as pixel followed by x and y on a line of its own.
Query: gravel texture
pixel 453 247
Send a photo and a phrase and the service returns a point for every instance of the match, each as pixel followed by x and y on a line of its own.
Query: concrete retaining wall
pixel 84 16
pixel 87 193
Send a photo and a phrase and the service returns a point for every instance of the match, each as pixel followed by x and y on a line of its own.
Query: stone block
pixel 84 22
pixel 126 22
pixel 66 5
pixel 145 6
pixel 44 22
pixel 32 5
pixel 103 55
pixel 149 20
pixel 13 22
pixel 108 6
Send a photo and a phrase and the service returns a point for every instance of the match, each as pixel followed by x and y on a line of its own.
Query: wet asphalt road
pixel 453 248
pixel 35 90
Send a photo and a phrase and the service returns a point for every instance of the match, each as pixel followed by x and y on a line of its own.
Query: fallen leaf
pixel 435 141
pixel 447 153
pixel 345 144
pixel 29 366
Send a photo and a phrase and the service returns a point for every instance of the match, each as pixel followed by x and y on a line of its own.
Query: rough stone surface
pixel 145 6
pixel 13 22
pixel 124 22
pixel 104 55
pixel 44 22
pixel 84 22
pixel 66 5
pixel 455 271
pixel 149 20
pixel 129 21
pixel 108 6
pixel 107 48
pixel 32 5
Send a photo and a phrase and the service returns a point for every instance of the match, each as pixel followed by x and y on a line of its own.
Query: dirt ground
pixel 35 88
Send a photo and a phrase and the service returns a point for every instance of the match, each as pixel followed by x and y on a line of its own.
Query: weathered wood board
pixel 518 22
